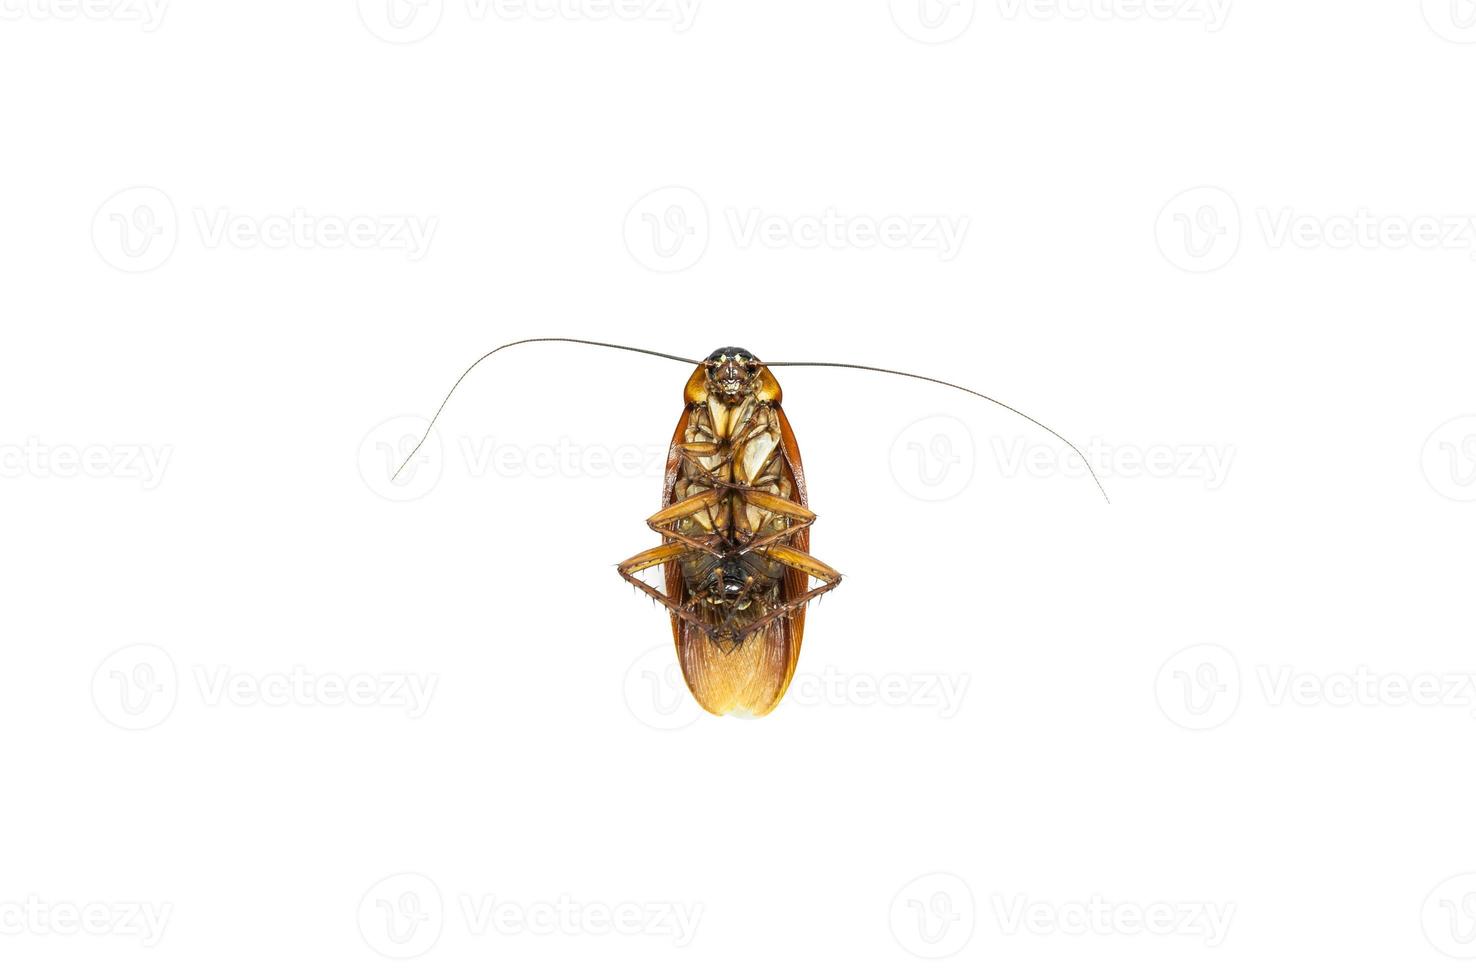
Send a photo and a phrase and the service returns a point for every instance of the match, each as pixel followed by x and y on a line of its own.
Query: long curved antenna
pixel 515 343
pixel 950 384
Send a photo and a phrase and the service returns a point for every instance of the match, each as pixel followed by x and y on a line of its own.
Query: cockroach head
pixel 732 372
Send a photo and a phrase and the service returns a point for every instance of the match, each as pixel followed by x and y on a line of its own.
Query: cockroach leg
pixel 724 452
pixel 794 558
pixel 695 452
pixel 733 607
pixel 811 566
pixel 797 517
pixel 663 522
pixel 651 558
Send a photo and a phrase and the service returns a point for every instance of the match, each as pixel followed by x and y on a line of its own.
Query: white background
pixel 555 760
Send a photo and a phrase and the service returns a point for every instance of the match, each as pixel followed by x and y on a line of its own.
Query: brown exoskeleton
pixel 736 530
pixel 735 527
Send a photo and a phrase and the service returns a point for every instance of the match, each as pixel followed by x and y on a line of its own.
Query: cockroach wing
pixel 676 588
pixel 749 678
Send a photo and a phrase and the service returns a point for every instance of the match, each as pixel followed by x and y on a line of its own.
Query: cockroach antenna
pixel 767 364
pixel 956 387
pixel 517 343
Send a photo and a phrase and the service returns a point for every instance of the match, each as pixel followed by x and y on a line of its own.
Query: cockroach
pixel 735 526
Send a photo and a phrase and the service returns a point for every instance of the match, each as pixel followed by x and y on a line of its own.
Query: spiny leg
pixel 811 566
pixel 734 607
pixel 696 452
pixel 651 558
pixel 797 516
pixel 663 522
